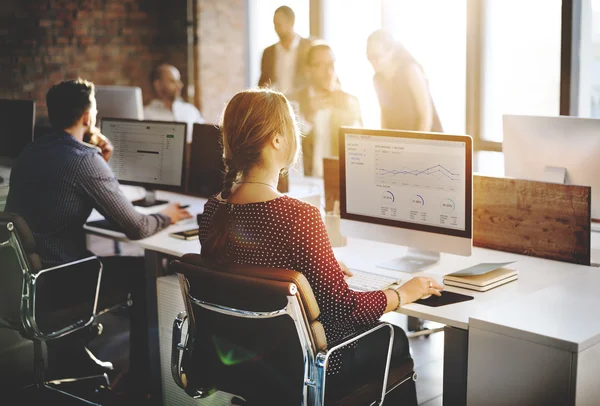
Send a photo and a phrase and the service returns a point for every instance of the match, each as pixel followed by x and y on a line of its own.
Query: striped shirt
pixel 54 186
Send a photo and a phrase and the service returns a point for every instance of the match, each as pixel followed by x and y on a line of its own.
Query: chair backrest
pixel 42 303
pixel 249 327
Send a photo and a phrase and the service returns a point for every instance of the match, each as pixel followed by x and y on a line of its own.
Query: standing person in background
pixel 282 65
pixel 401 86
pixel 167 104
pixel 323 108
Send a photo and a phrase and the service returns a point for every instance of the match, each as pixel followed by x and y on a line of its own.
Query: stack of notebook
pixel 479 279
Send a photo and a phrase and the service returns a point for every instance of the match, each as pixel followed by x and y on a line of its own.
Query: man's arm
pixel 420 91
pixel 98 182
pixel 266 68
pixel 354 111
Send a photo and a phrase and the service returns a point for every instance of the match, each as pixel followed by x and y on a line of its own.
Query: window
pixel 589 60
pixel 435 32
pixel 520 61
pixel 261 31
pixel 347 25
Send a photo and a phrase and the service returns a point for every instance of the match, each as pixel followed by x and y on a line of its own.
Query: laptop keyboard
pixel 367 281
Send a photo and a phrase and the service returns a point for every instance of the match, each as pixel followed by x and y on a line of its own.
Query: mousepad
pixel 446 299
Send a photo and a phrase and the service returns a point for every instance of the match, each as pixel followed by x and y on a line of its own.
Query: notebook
pixel 482 282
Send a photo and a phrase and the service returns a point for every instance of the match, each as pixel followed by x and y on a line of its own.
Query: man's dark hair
pixel 286 11
pixel 67 101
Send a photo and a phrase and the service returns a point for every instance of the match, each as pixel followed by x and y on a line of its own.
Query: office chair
pixel 254 332
pixel 37 303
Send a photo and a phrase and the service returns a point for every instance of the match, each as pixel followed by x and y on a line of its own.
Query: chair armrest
pixel 33 299
pixel 322 357
pixel 176 348
pixel 357 335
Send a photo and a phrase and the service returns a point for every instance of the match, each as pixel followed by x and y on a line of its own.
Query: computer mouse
pixel 425 297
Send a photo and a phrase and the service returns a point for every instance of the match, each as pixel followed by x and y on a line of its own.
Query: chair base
pixel 90 390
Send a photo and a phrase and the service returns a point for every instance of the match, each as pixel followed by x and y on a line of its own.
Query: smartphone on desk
pixel 186 234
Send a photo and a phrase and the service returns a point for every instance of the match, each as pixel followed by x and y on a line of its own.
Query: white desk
pixel 540 349
pixel 535 275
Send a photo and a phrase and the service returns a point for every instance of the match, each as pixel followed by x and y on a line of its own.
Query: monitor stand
pixel 414 261
pixel 554 174
pixel 150 200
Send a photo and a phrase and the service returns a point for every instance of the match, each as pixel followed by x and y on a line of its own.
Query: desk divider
pixel 546 220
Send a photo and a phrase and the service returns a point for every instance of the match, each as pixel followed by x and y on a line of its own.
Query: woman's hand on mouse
pixel 419 287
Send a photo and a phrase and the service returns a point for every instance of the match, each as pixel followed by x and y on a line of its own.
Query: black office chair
pixel 254 332
pixel 41 307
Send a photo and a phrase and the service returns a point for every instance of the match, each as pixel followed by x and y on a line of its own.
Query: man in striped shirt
pixel 55 184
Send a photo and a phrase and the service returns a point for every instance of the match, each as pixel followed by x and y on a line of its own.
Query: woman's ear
pixel 277 142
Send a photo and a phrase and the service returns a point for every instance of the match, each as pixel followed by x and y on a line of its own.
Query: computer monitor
pixel 119 102
pixel 149 154
pixel 17 119
pixel 554 149
pixel 407 188
pixel 206 169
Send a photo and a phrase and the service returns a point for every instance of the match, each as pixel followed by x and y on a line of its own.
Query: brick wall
pixel 222 45
pixel 106 41
pixel 118 42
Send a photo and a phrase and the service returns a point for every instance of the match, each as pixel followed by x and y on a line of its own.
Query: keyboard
pixel 367 281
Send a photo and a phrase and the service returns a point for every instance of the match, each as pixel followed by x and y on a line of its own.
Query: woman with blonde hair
pixel 250 222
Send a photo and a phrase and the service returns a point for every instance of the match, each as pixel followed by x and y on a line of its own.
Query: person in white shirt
pixel 322 108
pixel 282 66
pixel 168 105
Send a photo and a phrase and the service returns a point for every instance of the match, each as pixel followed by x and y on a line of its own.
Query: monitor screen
pixel 17 119
pixel 419 181
pixel 559 149
pixel 147 153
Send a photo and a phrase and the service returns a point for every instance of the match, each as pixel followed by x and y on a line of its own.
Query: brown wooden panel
pixel 331 181
pixel 545 220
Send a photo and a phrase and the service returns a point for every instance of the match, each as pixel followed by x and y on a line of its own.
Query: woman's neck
pixel 261 174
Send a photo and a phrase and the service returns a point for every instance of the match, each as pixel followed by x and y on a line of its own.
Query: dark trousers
pixel 366 360
pixel 123 279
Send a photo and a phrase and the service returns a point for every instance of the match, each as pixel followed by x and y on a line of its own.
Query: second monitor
pixel 407 188
pixel 150 154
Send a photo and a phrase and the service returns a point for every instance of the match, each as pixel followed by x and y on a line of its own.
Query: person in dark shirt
pixel 55 184
pixel 401 86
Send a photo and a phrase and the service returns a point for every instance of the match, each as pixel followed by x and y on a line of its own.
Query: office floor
pixel 427 352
